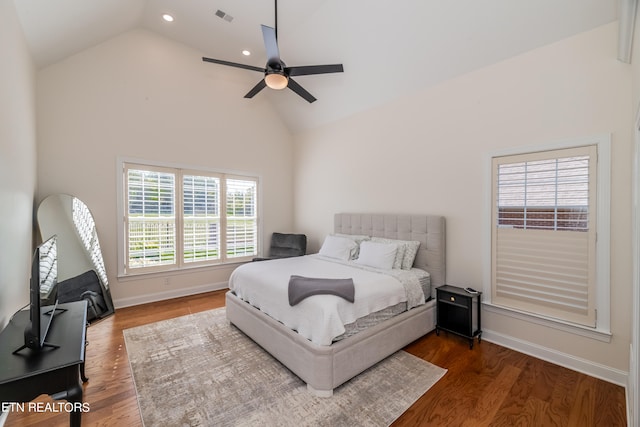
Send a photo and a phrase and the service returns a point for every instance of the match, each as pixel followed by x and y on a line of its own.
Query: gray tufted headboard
pixel 429 230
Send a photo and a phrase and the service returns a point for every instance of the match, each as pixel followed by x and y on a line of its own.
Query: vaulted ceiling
pixel 389 48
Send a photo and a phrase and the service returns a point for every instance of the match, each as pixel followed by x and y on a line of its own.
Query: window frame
pixel 180 171
pixel 601 331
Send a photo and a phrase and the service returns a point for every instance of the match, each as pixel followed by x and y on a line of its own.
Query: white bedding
pixel 321 318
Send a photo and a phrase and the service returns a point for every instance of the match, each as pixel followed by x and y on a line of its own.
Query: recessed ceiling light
pixel 246 52
pixel 167 17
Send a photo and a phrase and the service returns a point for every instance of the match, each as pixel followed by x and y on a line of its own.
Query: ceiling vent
pixel 225 16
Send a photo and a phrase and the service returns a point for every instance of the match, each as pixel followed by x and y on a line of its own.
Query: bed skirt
pixel 324 368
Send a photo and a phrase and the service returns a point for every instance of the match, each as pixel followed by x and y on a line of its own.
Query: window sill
pixel 593 333
pixel 179 271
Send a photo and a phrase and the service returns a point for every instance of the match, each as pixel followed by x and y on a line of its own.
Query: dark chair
pixel 286 245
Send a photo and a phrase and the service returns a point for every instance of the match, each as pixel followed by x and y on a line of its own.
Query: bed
pixel 325 367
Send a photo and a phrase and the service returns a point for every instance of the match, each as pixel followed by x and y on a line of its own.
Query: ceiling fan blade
pixel 234 64
pixel 300 91
pixel 271 45
pixel 257 88
pixel 314 69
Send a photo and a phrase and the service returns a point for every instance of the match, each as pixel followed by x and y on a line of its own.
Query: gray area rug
pixel 198 370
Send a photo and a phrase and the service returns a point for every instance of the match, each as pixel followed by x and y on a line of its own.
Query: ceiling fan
pixel 276 74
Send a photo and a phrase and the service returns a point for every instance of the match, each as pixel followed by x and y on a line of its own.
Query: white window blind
pixel 543 237
pixel 201 200
pixel 242 220
pixel 150 218
pixel 86 229
pixel 160 200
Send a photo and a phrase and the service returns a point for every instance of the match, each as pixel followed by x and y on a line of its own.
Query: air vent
pixel 225 16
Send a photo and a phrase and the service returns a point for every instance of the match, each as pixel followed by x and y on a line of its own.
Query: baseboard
pixel 584 366
pixel 170 294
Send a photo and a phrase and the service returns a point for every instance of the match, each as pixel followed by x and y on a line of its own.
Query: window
pixel 175 218
pixel 545 259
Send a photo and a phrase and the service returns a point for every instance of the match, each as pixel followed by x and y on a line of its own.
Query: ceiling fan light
pixel 276 81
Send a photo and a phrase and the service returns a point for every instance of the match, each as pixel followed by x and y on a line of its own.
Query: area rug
pixel 198 370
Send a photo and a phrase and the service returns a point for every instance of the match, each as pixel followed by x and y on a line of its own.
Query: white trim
pixel 578 364
pixel 165 295
pixel 604 336
pixel 187 166
pixel 603 248
pixel 603 230
pixel 633 385
pixel 632 389
pixel 179 271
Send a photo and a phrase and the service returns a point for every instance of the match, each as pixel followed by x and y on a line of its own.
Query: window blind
pixel 201 213
pixel 242 224
pixel 151 220
pixel 86 229
pixel 175 217
pixel 543 238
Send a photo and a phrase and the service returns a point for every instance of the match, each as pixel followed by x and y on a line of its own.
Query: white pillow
pixel 338 247
pixel 407 251
pixel 378 255
pixel 397 263
pixel 358 238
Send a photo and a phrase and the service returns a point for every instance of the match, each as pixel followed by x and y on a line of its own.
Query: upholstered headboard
pixel 429 230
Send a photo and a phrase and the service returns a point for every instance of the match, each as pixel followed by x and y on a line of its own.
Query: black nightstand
pixel 458 312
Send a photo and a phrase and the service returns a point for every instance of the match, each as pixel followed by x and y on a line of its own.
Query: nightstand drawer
pixel 456 299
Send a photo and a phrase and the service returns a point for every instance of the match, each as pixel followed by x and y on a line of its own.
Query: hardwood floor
pixel 487 386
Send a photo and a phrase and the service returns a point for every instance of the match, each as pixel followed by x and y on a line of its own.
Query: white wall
pixel 17 162
pixel 142 96
pixel 427 154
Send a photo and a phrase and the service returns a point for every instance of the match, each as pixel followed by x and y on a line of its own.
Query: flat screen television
pixel 43 295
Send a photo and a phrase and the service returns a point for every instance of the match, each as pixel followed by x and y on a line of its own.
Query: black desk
pixel 56 372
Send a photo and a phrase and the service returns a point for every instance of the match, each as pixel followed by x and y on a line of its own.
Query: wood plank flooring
pixel 487 386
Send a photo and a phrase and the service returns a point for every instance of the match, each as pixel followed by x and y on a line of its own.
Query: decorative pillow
pixel 338 247
pixel 378 255
pixel 410 254
pixel 358 238
pixel 397 263
pixel 407 251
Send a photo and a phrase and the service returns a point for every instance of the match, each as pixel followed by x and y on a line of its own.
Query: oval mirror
pixel 81 270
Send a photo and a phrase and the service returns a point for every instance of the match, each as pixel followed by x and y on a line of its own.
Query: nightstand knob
pixel 453 299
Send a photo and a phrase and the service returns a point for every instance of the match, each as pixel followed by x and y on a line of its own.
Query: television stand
pixel 27 375
pixel 53 312
pixel 45 344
